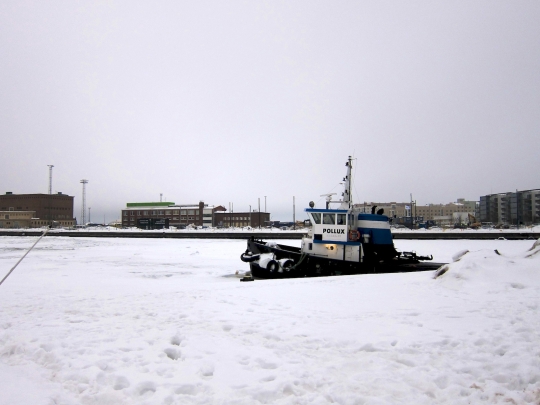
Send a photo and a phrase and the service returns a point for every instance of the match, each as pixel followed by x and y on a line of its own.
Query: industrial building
pixel 179 216
pixel 428 212
pixel 16 219
pixel 44 209
pixel 512 208
pixel 410 213
pixel 254 219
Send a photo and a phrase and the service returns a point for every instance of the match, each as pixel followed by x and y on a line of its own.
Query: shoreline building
pixel 254 219
pixel 46 209
pixel 407 213
pixel 512 208
pixel 180 216
pixel 17 219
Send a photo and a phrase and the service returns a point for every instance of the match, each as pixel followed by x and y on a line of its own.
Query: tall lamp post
pixel 84 182
pixel 517 208
pixel 50 178
pixel 293 213
pixel 50 192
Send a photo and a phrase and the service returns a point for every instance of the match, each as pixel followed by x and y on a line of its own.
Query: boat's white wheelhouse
pixel 332 235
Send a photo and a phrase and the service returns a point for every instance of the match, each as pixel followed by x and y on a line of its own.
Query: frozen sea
pixel 158 321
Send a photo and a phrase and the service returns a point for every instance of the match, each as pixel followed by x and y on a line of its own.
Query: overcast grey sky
pixel 228 101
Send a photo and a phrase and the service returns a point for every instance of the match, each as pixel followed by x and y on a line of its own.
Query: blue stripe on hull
pixel 336 242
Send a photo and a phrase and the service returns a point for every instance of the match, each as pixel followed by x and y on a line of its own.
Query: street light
pixel 294 213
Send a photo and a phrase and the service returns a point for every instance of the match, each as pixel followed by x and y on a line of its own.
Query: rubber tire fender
pixel 272 266
pixel 248 258
pixel 287 264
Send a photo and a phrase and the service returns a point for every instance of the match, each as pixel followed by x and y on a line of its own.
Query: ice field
pixel 158 321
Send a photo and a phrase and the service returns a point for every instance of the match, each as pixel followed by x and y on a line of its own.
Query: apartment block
pixel 512 208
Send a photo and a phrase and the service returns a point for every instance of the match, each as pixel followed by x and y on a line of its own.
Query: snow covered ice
pixel 147 321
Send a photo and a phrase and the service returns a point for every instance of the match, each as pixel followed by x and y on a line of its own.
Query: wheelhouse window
pixel 341 219
pixel 316 218
pixel 329 219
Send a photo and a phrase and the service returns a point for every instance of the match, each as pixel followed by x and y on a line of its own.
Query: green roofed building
pixel 180 216
pixel 149 204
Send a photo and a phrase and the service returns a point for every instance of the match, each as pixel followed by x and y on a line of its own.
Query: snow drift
pixel 107 321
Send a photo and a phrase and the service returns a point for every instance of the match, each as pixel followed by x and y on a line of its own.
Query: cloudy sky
pixel 231 101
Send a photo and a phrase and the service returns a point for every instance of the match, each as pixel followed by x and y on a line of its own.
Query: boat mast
pixel 347 198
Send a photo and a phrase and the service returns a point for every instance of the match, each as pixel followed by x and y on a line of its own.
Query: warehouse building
pixel 48 209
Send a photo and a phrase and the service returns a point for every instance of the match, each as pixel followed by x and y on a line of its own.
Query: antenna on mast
pixel 347 197
pixel 328 198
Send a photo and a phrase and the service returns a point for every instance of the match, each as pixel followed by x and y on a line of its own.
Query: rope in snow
pixel 21 259
pixel 302 257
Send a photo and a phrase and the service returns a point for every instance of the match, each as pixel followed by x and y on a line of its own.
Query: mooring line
pixel 21 259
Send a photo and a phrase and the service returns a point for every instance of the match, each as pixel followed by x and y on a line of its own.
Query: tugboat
pixel 342 241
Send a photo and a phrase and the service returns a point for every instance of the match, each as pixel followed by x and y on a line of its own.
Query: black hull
pixel 313 266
